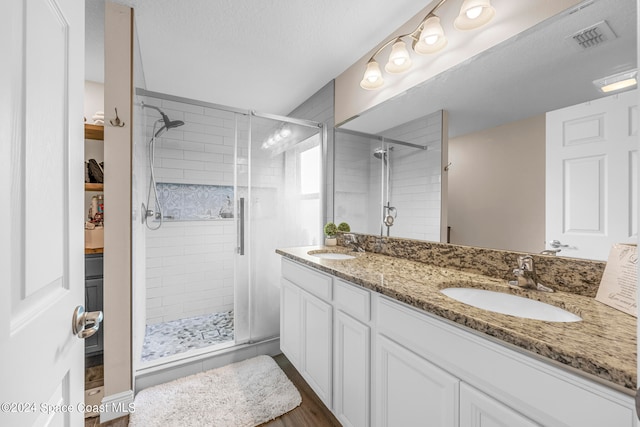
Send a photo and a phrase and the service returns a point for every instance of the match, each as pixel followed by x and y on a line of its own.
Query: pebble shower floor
pixel 178 336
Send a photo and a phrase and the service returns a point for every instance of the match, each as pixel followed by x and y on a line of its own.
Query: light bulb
pixel 474 12
pixel 431 39
pixel 372 78
pixel 399 60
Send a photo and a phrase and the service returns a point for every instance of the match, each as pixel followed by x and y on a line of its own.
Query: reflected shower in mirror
pixel 389 184
pixel 497 104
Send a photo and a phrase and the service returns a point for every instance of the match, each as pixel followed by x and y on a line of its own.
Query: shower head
pixel 168 124
pixel 379 153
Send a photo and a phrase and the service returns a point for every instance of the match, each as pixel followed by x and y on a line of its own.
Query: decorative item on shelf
pixel 330 231
pixel 344 227
pixel 98 118
pixel 95 171
pixel 93 235
pixel 427 38
pixel 96 210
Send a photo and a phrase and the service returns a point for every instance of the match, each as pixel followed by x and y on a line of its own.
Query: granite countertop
pixel 602 345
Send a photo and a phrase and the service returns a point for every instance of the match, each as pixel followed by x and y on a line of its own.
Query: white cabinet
pixel 375 361
pixel 479 410
pixel 351 371
pixel 410 391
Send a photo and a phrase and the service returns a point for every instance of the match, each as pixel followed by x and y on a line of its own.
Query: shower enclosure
pixel 215 191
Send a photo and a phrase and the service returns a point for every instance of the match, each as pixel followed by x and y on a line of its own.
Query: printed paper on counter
pixel 619 282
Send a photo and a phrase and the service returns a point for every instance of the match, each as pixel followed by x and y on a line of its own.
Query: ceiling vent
pixel 592 36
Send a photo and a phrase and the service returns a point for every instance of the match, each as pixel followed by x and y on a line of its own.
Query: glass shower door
pixel 278 176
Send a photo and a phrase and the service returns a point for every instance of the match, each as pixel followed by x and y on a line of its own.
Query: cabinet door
pixel 317 335
pixel 409 391
pixel 479 410
pixel 290 323
pixel 351 366
pixel 93 302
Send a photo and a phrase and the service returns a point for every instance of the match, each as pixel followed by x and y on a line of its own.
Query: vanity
pixel 381 345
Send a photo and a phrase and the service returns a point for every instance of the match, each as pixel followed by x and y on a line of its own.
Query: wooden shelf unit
pixel 93 186
pixel 93 132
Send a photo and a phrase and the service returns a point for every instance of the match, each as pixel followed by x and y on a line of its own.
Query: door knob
pixel 85 324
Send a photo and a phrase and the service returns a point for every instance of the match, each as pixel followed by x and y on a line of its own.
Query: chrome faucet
pixel 526 276
pixel 352 240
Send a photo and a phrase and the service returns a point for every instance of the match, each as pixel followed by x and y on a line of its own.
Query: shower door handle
pixel 241 226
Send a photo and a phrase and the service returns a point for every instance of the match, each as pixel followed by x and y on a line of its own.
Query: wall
pixel 117 230
pixel 189 264
pixel 415 180
pixel 511 18
pixel 496 202
pixel 93 99
pixel 320 108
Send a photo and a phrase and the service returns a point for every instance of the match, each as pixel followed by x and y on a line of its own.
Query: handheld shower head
pixel 168 124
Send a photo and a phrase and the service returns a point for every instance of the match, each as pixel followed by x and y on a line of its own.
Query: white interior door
pixel 41 186
pixel 591 176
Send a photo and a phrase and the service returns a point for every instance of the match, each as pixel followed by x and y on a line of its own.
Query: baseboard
pixel 162 374
pixel 116 406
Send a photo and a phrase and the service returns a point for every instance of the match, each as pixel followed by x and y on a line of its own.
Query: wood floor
pixel 310 413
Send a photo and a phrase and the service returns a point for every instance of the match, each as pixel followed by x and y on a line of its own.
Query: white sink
pixel 332 255
pixel 510 304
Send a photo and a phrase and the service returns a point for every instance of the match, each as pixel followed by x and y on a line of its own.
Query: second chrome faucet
pixel 526 276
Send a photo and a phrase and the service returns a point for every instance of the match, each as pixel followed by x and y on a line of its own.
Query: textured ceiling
pixel 266 55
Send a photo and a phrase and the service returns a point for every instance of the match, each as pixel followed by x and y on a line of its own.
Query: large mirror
pixel 499 172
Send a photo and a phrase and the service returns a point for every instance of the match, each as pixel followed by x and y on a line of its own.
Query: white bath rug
pixel 246 393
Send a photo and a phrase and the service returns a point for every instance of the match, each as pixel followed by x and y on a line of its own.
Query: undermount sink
pixel 331 255
pixel 513 305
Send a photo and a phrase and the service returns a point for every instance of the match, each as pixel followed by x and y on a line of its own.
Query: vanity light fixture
pixel 618 81
pixel 427 38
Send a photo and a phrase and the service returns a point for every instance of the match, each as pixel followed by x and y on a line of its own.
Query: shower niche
pixel 195 202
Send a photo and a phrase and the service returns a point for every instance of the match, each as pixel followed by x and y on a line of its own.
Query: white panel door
pixel 351 371
pixel 290 323
pixel 591 177
pixel 479 410
pixel 41 222
pixel 317 334
pixel 410 391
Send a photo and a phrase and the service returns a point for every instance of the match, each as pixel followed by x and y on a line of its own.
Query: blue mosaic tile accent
pixel 195 202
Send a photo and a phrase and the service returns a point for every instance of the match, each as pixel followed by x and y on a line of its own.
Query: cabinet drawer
pixel 315 283
pixel 93 265
pixel 353 300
